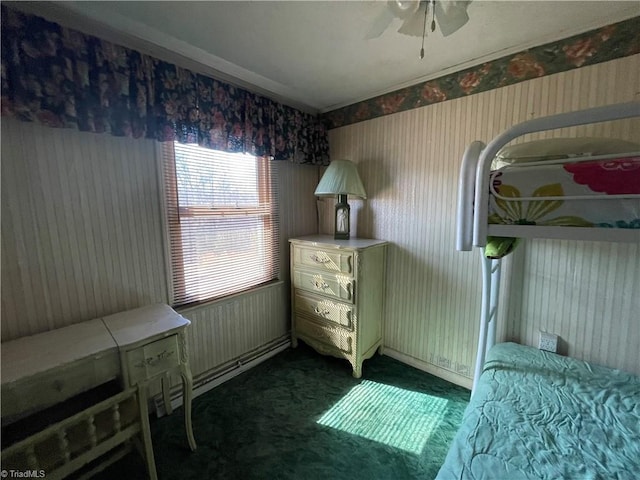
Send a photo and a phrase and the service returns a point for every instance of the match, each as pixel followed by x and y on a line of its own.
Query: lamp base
pixel 342 226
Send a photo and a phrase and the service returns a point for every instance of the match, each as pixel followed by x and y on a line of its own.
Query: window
pixel 222 222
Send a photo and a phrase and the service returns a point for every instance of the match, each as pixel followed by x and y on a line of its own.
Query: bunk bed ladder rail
pixel 491 272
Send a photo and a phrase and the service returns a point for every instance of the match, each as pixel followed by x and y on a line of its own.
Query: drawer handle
pixel 322 313
pixel 320 285
pixel 152 361
pixel 317 259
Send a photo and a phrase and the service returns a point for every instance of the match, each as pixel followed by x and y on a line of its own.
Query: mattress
pixel 538 415
pixel 578 194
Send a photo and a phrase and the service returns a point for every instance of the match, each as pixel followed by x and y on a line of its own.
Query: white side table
pixel 152 344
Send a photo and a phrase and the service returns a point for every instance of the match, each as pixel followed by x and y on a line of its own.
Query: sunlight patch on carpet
pixel 399 418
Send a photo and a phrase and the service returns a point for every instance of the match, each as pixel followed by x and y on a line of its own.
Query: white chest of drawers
pixel 337 295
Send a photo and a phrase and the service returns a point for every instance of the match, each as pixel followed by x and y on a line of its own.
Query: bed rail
pixel 592 196
pixel 483 167
pixel 466 183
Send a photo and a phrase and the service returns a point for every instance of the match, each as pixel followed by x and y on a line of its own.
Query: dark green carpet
pixel 276 421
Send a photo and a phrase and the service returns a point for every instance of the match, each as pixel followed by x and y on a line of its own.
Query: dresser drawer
pixel 336 286
pixel 324 310
pixel 328 336
pixel 325 259
pixel 337 291
pixel 152 359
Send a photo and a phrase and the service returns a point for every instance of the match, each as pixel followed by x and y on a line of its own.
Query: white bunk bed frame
pixel 473 209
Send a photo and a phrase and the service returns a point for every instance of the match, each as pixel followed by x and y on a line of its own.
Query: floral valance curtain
pixel 60 77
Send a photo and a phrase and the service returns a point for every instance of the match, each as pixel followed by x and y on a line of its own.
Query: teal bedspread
pixel 537 415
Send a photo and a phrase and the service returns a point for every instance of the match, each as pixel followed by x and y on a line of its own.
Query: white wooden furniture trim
pixel 44 369
pixel 136 346
pixel 65 447
pixel 337 293
pixel 152 344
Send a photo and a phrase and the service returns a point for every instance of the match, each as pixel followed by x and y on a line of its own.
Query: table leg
pixel 146 432
pixel 187 392
pixel 166 393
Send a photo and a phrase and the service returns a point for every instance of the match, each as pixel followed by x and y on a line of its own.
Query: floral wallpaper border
pixel 607 43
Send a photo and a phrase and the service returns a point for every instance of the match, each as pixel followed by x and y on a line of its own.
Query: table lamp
pixel 341 178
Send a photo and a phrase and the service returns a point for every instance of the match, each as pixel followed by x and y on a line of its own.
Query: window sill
pixel 217 301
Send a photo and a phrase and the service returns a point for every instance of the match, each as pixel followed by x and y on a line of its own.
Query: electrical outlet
pixel 548 342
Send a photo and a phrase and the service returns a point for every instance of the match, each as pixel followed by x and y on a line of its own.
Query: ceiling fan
pixel 450 16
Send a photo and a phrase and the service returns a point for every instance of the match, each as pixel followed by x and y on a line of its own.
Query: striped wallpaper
pixel 409 165
pixel 82 237
pixel 80 227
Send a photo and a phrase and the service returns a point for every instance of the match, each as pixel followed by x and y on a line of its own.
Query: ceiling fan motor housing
pixel 404 8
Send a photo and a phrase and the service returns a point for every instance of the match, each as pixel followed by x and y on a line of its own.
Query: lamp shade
pixel 341 178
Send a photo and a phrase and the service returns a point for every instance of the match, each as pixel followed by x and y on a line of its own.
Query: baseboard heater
pixel 212 378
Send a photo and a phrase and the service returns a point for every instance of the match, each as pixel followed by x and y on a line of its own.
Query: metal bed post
pixel 491 271
pixel 496 273
pixel 466 183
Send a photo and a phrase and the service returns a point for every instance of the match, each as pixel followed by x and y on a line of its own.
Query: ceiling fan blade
pixel 451 15
pixel 379 25
pixel 414 25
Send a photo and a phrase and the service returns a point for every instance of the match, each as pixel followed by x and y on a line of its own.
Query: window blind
pixel 222 221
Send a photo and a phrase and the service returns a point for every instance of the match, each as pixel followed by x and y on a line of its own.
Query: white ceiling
pixel 315 54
